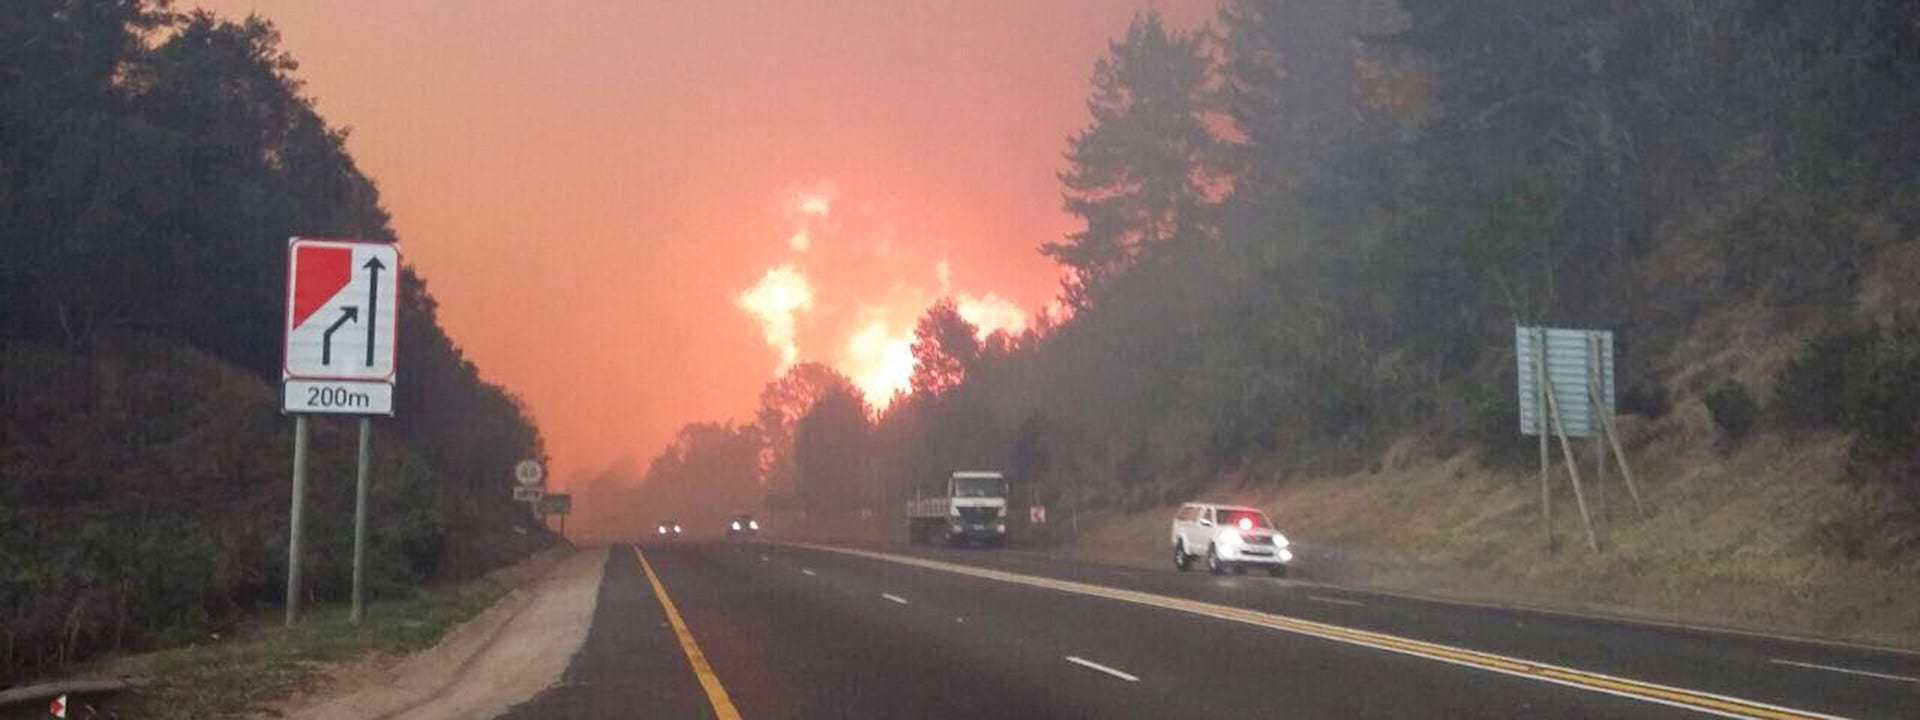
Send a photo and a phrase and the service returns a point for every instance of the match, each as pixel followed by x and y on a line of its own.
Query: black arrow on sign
pixel 373 266
pixel 326 339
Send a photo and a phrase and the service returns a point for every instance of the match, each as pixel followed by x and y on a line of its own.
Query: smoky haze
pixel 593 187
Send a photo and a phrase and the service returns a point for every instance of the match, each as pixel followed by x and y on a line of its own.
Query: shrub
pixel 1733 408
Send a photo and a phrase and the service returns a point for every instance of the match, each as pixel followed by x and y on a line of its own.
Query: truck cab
pixel 972 508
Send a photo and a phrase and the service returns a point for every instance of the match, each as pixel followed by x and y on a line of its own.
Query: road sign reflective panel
pixel 341 310
pixel 522 493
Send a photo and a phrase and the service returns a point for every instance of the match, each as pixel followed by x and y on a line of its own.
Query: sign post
pixel 338 359
pixel 560 504
pixel 294 522
pixel 528 477
pixel 360 524
pixel 1566 390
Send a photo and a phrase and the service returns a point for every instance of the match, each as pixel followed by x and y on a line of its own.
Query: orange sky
pixel 593 189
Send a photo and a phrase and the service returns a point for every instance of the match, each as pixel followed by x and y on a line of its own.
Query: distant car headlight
pixel 676 529
pixel 662 530
pixel 755 524
pixel 1002 527
pixel 736 525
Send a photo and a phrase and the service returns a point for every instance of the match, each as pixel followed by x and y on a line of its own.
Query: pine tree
pixel 1144 173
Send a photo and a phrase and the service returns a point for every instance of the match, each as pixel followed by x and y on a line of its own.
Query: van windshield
pixel 979 487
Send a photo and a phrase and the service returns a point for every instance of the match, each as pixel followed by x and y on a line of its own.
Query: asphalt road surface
pixel 763 630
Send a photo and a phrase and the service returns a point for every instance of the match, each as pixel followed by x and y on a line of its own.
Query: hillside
pixel 152 167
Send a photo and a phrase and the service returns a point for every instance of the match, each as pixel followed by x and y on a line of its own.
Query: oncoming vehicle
pixel 1229 537
pixel 668 530
pixel 743 525
pixel 970 507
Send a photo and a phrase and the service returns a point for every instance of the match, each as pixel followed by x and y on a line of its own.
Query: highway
pixel 769 630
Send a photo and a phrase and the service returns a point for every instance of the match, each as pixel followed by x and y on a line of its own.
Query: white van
pixel 1230 537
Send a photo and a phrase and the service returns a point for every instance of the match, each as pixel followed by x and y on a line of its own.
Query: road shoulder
pixel 503 656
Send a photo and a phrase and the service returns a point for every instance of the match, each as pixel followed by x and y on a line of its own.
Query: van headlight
pixel 1279 540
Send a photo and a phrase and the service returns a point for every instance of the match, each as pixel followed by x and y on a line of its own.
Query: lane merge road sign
pixel 342 310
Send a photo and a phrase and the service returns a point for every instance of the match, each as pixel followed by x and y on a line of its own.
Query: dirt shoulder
pixel 505 655
pixel 1755 540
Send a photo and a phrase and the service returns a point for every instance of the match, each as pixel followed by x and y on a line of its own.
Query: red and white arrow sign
pixel 59 707
pixel 341 310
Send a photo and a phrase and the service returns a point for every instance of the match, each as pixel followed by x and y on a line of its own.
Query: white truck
pixel 972 509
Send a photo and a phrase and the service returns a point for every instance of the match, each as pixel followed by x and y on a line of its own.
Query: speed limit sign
pixel 528 473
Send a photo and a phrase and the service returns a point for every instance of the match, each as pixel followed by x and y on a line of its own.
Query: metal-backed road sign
pixel 342 310
pixel 556 504
pixel 1573 357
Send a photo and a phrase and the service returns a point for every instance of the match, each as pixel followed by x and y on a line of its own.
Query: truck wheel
pixel 1181 560
pixel 1213 562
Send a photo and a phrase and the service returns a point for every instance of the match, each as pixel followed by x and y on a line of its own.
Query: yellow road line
pixel 1675 697
pixel 722 705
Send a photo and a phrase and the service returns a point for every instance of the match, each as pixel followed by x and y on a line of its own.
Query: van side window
pixel 1188 513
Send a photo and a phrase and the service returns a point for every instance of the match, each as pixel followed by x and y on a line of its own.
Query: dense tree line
pixel 152 166
pixel 1309 228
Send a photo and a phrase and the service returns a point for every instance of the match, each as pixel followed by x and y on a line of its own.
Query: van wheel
pixel 1181 560
pixel 1213 562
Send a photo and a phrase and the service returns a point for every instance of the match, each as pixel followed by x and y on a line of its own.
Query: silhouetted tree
pixel 1144 173
pixel 945 347
pixel 830 453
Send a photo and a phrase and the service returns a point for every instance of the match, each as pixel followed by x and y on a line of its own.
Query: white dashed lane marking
pixel 1085 663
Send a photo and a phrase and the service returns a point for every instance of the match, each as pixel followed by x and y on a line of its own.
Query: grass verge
pixel 265 662
pixel 1742 539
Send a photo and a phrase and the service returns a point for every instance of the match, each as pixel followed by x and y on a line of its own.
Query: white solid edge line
pixel 895 598
pixel 1195 607
pixel 808 571
pixel 1849 671
pixel 1083 662
pixel 1620 618
pixel 1335 600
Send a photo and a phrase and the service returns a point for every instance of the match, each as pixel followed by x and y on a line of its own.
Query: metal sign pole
pixel 360 523
pixel 294 524
pixel 1540 427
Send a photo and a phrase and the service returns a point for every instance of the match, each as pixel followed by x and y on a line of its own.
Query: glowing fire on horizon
pixel 875 345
